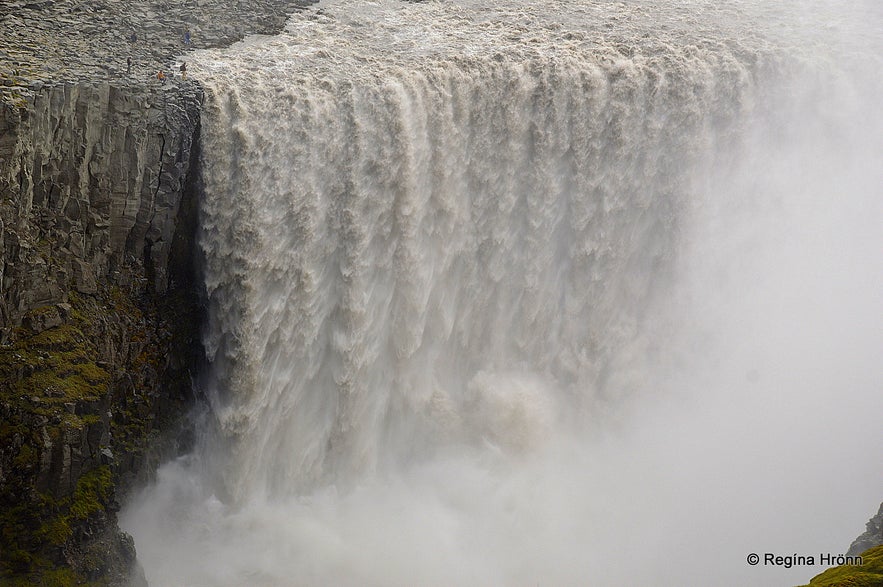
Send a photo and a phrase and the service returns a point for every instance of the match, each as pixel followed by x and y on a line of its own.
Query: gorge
pixel 530 293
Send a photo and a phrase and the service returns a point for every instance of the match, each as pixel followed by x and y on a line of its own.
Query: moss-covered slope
pixel 84 389
pixel 868 574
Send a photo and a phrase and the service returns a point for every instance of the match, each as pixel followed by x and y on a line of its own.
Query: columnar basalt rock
pixel 98 314
pixel 99 308
pixel 91 185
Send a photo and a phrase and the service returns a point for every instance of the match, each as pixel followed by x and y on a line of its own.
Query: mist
pixel 676 368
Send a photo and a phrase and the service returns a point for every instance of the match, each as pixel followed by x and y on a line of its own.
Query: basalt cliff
pixel 99 301
pixel 98 312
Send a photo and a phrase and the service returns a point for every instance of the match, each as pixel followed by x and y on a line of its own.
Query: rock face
pixel 99 305
pixel 98 315
pixel 91 183
pixel 873 535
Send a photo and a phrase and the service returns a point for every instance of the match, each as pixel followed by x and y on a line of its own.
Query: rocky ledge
pixel 872 536
pixel 99 300
pixel 53 42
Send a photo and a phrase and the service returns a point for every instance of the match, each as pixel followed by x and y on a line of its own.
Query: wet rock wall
pixel 99 315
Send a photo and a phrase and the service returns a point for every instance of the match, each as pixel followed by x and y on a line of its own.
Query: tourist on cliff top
pixel 184 70
pixel 161 76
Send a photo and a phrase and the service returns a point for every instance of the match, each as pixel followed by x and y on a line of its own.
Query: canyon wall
pixel 99 315
pixel 99 304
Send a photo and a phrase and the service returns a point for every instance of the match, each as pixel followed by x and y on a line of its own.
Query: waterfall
pixel 447 248
pixel 387 257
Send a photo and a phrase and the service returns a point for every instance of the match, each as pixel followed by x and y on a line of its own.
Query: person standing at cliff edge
pixel 184 70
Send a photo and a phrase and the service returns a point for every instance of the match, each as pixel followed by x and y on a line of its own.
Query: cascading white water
pixel 444 245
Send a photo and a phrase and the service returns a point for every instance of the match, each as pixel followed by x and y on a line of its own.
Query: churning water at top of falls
pixel 538 293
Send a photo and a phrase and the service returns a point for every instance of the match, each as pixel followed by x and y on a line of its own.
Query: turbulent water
pixel 533 293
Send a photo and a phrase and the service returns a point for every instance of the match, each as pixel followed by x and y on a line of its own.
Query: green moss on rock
pixel 93 491
pixel 61 578
pixel 868 574
pixel 55 366
pixel 101 378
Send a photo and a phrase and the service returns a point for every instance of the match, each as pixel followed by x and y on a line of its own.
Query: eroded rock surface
pixel 871 537
pixel 50 42
pixel 91 184
pixel 98 315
